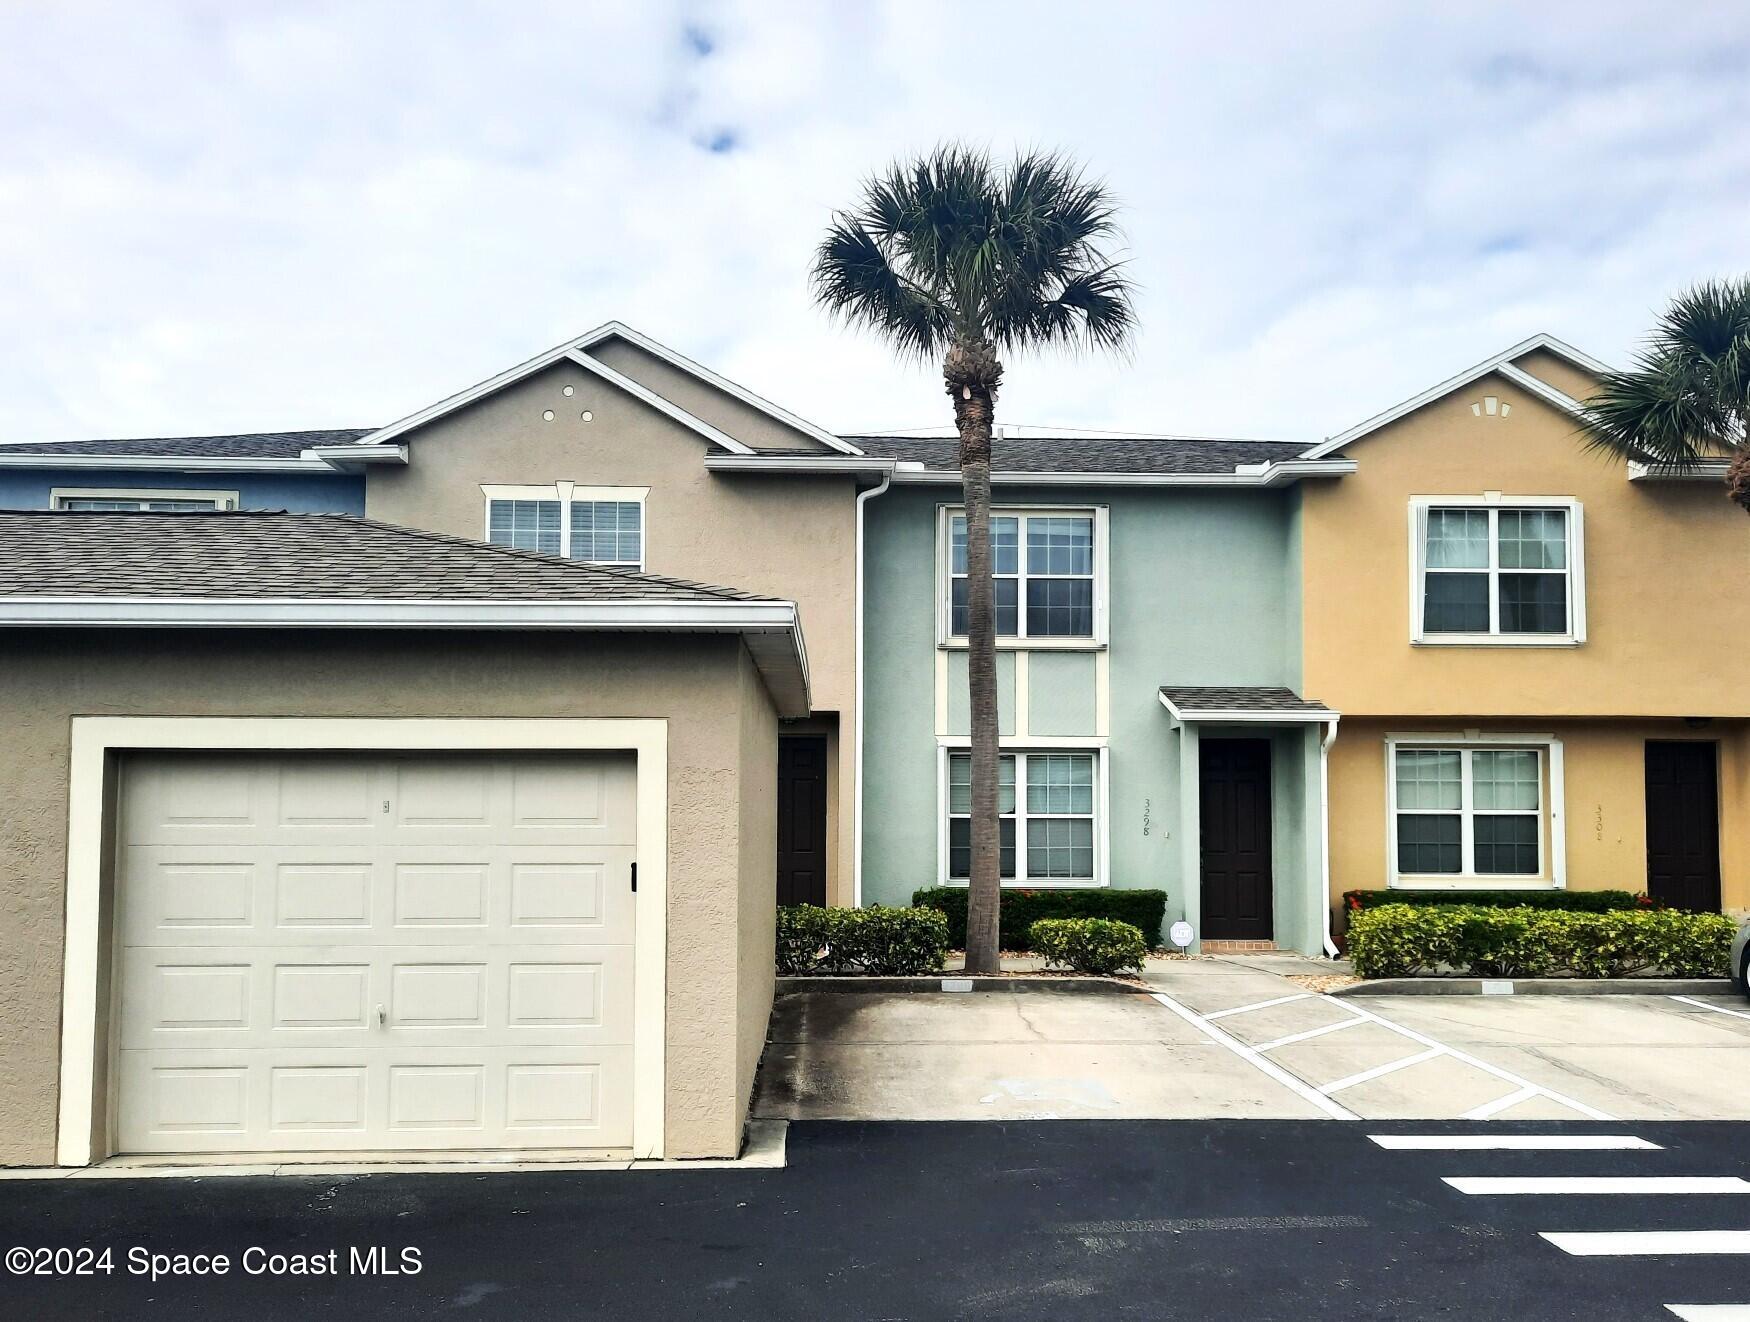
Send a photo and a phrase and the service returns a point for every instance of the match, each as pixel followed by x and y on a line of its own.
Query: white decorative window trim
pixel 1021 748
pixel 565 494
pixel 219 500
pixel 1100 514
pixel 1552 871
pixel 1495 500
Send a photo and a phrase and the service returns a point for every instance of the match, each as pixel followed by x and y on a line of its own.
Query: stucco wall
pixel 717 818
pixel 791 538
pixel 1604 792
pixel 1665 625
pixel 339 493
pixel 1202 592
pixel 757 915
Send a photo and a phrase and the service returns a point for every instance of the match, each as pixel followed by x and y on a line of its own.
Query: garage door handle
pixel 382 1018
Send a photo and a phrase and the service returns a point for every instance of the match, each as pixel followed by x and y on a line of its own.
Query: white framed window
pixel 1474 809
pixel 151 499
pixel 1493 569
pixel 601 525
pixel 1049 567
pixel 1052 811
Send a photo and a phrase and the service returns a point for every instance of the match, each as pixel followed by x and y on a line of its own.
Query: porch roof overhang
pixel 1251 705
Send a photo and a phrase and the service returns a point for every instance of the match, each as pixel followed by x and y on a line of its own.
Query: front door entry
pixel 1683 824
pixel 1236 840
pixel 802 819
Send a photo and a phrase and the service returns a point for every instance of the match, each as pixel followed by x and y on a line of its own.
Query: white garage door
pixel 344 951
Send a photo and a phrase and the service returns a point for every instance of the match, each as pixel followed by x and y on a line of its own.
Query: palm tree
pixel 950 257
pixel 1687 399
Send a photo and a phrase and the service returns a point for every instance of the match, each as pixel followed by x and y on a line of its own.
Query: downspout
pixel 1325 834
pixel 857 717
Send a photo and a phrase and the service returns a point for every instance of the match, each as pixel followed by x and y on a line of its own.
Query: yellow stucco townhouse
pixel 1538 654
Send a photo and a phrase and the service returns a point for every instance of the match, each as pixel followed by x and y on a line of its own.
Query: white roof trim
pixel 769 462
pixel 728 387
pixel 1502 363
pixel 352 458
pixel 1276 474
pixel 772 629
pixel 1707 470
pixel 574 350
pixel 305 463
pixel 1255 715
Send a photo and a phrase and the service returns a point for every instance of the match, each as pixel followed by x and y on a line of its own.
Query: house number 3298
pixel 1147 815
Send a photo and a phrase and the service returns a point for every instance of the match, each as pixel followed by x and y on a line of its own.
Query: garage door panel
pixel 375 952
pixel 371 1098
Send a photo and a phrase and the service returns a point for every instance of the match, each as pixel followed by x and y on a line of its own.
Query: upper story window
pixel 1497 571
pixel 603 525
pixel 148 499
pixel 1048 571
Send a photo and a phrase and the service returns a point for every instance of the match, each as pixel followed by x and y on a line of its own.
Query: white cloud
pixel 263 216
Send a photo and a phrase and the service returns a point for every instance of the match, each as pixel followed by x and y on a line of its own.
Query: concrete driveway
pixel 1221 1038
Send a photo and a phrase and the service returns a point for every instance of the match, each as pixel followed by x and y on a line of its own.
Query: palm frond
pixel 854 278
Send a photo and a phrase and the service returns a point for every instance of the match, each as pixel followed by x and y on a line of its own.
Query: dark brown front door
pixel 1683 824
pixel 802 819
pixel 1236 840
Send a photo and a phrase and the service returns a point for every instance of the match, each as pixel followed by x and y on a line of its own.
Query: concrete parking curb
pixel 1539 987
pixel 947 982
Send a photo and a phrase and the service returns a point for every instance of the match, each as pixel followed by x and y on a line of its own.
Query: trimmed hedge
pixel 1398 940
pixel 875 940
pixel 1089 945
pixel 1142 909
pixel 1572 901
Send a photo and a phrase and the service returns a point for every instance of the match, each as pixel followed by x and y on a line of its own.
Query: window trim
pixel 565 493
pixel 1496 501
pixel 1552 853
pixel 222 500
pixel 1021 747
pixel 945 515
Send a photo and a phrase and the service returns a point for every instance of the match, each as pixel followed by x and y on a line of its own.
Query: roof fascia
pixel 619 329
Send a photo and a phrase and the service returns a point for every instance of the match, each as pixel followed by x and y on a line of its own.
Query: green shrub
pixel 1397 940
pixel 1089 945
pixel 1576 901
pixel 1142 909
pixel 893 942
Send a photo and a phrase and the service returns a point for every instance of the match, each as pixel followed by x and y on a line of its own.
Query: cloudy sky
pixel 242 215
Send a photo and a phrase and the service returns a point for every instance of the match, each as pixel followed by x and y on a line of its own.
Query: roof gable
pixel 1501 364
pixel 578 351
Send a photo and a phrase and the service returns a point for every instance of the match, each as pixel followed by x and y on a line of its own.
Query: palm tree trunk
pixel 972 374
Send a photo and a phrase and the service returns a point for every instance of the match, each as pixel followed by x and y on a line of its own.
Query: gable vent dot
pixel 587 416
pixel 547 415
pixel 570 391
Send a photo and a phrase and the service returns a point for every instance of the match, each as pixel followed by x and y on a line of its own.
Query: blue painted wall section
pixel 309 493
pixel 1204 588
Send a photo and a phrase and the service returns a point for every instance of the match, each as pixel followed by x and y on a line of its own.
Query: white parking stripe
pixel 1573 1105
pixel 1648 1243
pixel 1269 1067
pixel 1259 1005
pixel 1710 1312
pixel 1592 1184
pixel 1717 1009
pixel 1512 1142
pixel 1390 1067
pixel 1311 1032
pixel 1500 1104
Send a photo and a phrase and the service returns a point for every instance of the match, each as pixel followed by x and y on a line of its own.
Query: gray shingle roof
pixel 251 445
pixel 1193 700
pixel 1083 454
pixel 298 556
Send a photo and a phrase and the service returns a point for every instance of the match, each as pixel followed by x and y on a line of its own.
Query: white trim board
pixel 95 738
pixel 575 351
pixel 221 500
pixel 1501 363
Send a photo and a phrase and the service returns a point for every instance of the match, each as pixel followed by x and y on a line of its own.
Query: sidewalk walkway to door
pixel 1235 1036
